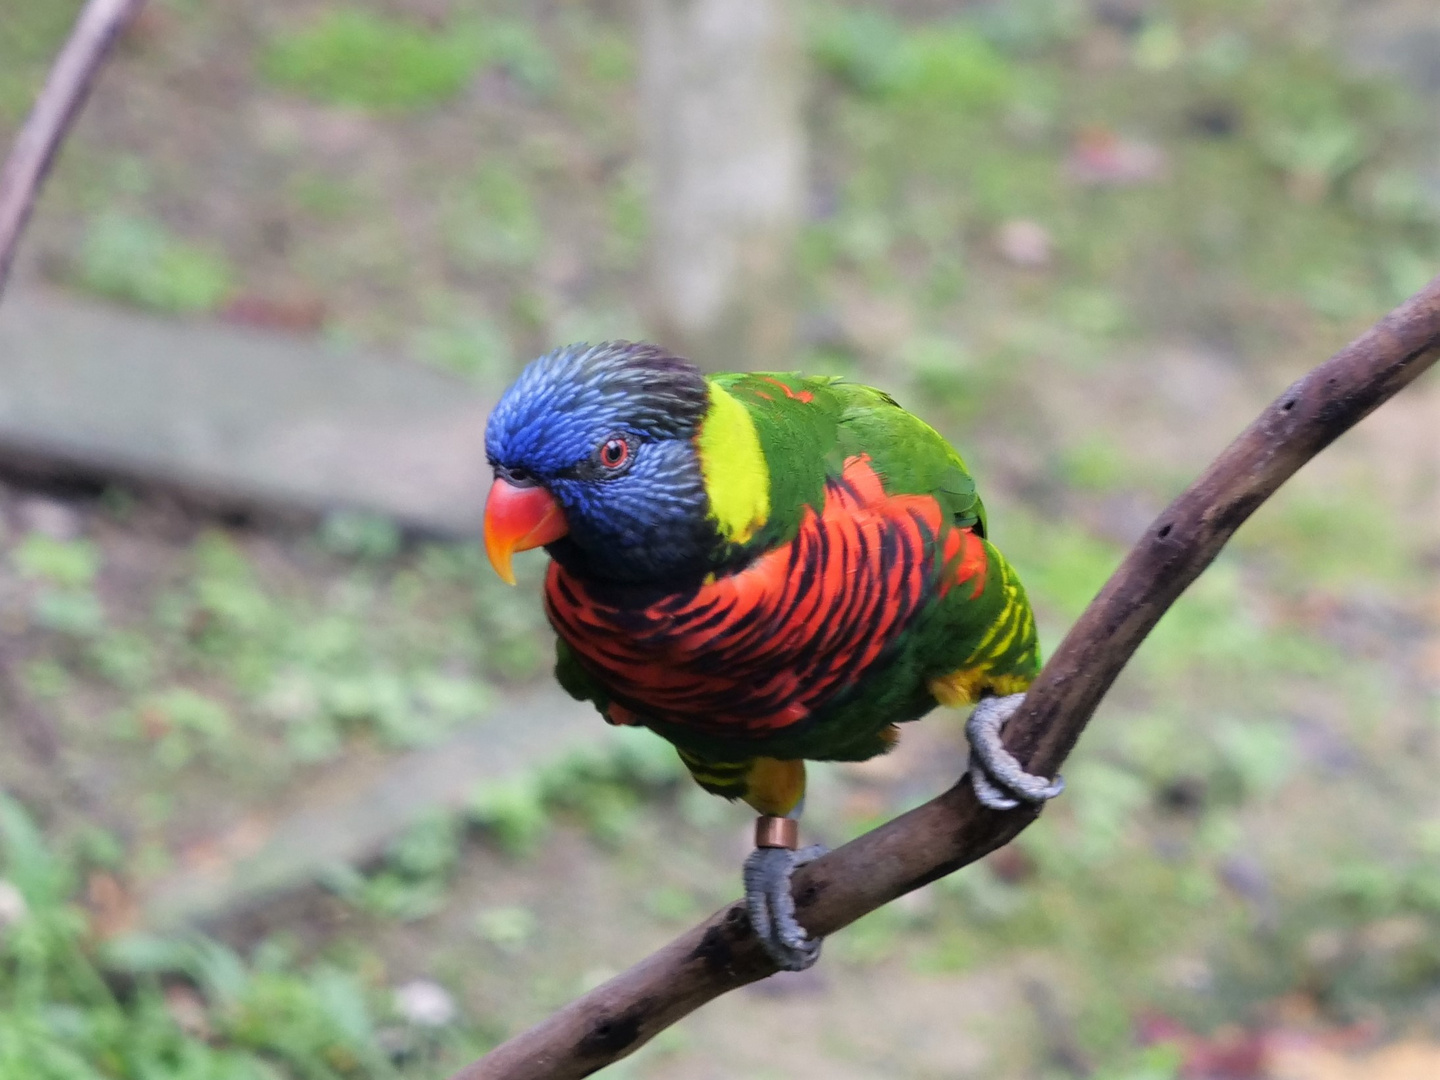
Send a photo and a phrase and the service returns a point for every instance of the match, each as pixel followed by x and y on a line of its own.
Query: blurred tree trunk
pixel 722 83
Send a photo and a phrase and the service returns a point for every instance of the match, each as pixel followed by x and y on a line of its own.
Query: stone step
pixel 349 815
pixel 249 417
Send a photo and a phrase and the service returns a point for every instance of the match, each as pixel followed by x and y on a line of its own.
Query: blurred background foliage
pixel 1087 240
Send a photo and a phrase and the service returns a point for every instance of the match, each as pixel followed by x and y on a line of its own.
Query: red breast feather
pixel 767 647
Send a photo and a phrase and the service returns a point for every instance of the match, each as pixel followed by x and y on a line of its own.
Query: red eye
pixel 614 453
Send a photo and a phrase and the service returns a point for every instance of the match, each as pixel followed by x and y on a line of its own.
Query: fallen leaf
pixel 1024 243
pixel 113 910
pixel 300 315
pixel 1104 158
pixel 187 1008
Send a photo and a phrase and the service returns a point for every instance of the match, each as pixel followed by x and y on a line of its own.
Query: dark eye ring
pixel 614 452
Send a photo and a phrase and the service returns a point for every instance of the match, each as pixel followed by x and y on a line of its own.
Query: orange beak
pixel 517 519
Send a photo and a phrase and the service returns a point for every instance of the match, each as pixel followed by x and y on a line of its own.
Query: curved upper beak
pixel 517 519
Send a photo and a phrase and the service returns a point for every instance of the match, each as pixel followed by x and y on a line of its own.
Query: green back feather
pixel 807 434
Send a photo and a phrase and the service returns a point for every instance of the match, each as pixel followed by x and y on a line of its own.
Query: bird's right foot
pixel 999 780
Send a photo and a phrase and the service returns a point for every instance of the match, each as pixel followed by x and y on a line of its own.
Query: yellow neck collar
pixel 737 478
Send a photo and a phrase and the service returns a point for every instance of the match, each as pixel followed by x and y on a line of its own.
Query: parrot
pixel 764 569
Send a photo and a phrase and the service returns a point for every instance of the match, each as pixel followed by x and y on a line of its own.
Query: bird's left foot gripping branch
pixel 764 569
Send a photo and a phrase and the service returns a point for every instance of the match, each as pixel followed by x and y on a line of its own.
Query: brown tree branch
pixel 71 77
pixel 953 829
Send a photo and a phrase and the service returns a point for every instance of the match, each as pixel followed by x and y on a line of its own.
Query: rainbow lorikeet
pixel 763 569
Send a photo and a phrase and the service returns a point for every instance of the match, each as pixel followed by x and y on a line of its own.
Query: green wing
pixel 910 456
pixel 809 426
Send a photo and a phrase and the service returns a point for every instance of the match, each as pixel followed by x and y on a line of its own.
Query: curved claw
pixel 998 778
pixel 771 905
pixel 988 794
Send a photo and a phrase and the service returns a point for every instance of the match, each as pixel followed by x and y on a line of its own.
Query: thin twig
pixel 952 830
pixel 21 176
pixel 55 110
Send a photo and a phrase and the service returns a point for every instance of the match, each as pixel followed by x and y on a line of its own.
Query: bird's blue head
pixel 594 454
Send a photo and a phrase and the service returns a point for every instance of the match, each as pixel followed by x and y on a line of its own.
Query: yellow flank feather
pixel 959 687
pixel 964 685
pixel 737 478
pixel 774 787
pixel 769 785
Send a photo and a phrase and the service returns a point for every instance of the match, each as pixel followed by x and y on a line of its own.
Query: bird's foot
pixel 1000 782
pixel 772 905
